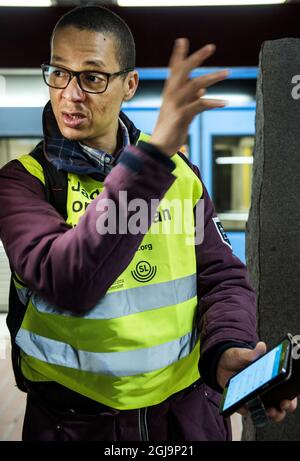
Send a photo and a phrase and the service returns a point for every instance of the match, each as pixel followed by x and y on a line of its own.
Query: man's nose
pixel 73 92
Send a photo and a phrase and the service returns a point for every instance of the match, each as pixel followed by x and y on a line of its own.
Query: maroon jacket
pixel 40 246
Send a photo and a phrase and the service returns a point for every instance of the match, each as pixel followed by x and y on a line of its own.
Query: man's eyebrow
pixel 95 62
pixel 57 58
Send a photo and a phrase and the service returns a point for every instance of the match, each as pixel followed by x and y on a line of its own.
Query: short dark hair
pixel 100 19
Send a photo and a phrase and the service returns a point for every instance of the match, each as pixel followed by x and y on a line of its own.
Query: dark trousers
pixel 57 414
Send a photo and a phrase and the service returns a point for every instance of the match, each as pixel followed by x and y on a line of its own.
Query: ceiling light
pixel 25 2
pixel 234 160
pixel 232 99
pixel 196 2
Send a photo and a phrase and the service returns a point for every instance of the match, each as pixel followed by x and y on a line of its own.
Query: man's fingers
pixel 182 65
pixel 246 356
pixel 276 415
pixel 201 93
pixel 208 80
pixel 203 104
pixel 259 350
pixel 192 90
pixel 205 81
pixel 207 103
pixel 199 56
pixel 289 405
pixel 182 96
pixel 243 411
pixel 180 51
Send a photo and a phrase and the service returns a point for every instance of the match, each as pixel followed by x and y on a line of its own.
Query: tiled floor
pixel 12 401
pixel 237 427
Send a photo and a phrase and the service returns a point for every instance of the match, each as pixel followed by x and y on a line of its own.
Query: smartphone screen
pixel 253 377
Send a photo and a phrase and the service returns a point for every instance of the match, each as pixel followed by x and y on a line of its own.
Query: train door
pixel 227 144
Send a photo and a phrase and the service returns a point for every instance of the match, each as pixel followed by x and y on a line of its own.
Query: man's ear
pixel 131 84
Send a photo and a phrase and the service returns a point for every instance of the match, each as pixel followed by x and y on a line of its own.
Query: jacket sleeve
pixel 74 267
pixel 227 302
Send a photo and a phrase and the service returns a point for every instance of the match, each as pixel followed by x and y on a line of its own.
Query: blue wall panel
pixel 228 121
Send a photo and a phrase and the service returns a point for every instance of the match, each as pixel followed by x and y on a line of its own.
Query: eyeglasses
pixel 88 80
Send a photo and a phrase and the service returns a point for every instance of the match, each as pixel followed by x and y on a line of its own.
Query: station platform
pixel 12 401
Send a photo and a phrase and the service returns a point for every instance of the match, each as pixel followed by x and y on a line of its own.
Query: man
pixel 106 326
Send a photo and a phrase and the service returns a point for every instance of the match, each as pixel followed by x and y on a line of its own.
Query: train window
pixel 232 176
pixel 11 148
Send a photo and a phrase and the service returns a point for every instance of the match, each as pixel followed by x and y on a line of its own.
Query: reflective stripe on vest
pixel 109 363
pixel 131 301
pixel 139 343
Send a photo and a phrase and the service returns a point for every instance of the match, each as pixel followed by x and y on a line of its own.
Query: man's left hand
pixel 233 360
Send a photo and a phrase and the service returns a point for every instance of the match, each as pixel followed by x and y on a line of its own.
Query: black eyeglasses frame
pixel 73 74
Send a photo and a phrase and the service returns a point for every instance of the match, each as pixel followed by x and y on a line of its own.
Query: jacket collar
pixel 68 155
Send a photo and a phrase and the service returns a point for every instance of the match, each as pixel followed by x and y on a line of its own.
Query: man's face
pixel 84 116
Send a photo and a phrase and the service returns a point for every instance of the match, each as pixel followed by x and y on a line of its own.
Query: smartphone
pixel 258 378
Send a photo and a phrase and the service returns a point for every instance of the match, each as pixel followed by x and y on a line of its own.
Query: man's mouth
pixel 73 119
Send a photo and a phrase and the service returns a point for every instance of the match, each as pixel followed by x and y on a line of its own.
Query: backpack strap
pixel 56 182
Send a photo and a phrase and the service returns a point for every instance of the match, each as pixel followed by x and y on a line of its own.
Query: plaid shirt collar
pixel 102 159
pixel 74 157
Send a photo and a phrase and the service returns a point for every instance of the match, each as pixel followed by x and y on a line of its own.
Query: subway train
pixel 220 142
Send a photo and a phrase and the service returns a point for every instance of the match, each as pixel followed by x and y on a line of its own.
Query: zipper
pixel 143 428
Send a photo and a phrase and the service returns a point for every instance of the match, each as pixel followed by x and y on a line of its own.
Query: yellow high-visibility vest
pixel 139 344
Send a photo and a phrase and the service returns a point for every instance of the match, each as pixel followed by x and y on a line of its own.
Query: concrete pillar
pixel 273 229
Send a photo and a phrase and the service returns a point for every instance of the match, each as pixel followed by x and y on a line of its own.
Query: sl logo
pixel 144 272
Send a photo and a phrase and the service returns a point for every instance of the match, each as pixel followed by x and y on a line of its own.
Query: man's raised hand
pixel 182 96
